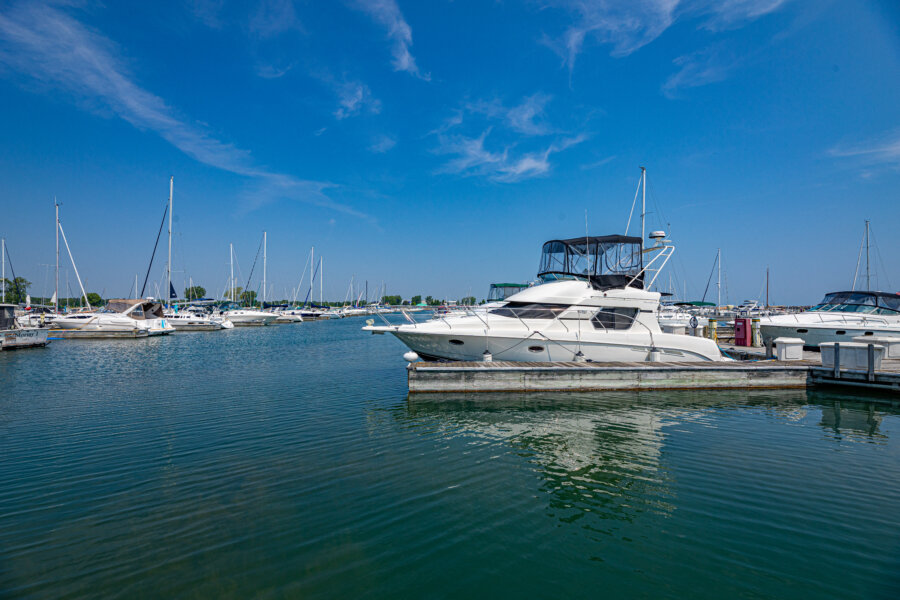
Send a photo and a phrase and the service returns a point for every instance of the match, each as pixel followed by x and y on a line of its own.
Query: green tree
pixel 392 300
pixel 16 290
pixel 94 299
pixel 415 300
pixel 192 293
pixel 429 300
pixel 248 297
pixel 234 293
pixel 468 301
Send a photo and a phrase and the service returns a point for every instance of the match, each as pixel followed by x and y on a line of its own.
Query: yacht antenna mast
pixel 719 279
pixel 643 201
pixel 868 281
pixel 264 270
pixel 57 255
pixel 169 263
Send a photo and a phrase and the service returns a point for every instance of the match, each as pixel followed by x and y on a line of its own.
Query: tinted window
pixel 530 310
pixel 614 318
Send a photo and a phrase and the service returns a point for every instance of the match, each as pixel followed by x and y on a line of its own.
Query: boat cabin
pixel 875 303
pixel 7 316
pixel 608 261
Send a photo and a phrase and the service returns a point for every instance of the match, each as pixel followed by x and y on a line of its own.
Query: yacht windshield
pixel 502 291
pixel 877 303
pixel 605 261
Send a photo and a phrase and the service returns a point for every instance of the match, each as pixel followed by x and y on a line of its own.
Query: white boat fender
pixel 579 356
pixel 654 354
pixel 411 356
pixel 487 356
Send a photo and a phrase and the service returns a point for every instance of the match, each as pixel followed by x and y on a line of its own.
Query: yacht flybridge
pixel 592 304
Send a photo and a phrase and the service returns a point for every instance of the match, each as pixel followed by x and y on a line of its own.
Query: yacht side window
pixel 614 318
pixel 138 312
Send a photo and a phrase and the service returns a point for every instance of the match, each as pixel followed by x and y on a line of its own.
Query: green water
pixel 288 461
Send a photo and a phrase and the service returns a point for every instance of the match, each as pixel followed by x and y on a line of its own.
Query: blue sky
pixel 436 145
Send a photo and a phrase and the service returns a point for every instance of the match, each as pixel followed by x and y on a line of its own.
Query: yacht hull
pixel 616 348
pixel 29 337
pixel 813 335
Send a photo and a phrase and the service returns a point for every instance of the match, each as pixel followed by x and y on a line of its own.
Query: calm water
pixel 288 462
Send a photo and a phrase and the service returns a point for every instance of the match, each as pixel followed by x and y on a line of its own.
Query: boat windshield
pixel 605 261
pixel 502 291
pixel 876 303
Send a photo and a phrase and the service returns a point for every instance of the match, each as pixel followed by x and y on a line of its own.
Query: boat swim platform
pixel 508 376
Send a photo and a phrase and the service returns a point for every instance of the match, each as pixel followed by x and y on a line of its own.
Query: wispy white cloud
pixel 353 98
pixel 471 157
pixel 629 26
pixel 880 150
pixel 697 69
pixel 273 17
pixel 725 14
pixel 598 163
pixel 382 144
pixel 208 12
pixel 44 44
pixel 527 117
pixel 387 14
pixel 267 71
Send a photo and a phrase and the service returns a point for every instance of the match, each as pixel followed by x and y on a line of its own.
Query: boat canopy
pixel 607 261
pixel 884 303
pixel 148 309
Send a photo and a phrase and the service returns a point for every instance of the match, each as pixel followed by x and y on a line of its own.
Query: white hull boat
pixel 120 318
pixel 839 317
pixel 249 318
pixel 592 307
pixel 13 336
pixel 192 321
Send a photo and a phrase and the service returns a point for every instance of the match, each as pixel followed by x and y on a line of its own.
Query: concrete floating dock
pixel 505 376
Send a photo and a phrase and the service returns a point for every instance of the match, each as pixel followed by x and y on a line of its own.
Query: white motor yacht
pixel 247 317
pixel 289 315
pixel 839 317
pixel 136 317
pixel 191 319
pixel 591 306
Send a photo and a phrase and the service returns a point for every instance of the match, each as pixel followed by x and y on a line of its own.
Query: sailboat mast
pixel 868 280
pixel 322 280
pixel 57 253
pixel 264 269
pixel 231 254
pixel 643 200
pixel 74 267
pixel 3 262
pixel 169 263
pixel 719 279
pixel 767 287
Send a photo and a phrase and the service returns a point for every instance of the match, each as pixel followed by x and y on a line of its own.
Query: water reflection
pixel 604 453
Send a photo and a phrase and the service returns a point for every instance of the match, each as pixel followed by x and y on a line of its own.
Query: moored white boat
pixel 591 306
pixel 839 317
pixel 14 336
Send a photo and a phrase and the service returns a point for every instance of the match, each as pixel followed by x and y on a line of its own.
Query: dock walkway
pixel 506 376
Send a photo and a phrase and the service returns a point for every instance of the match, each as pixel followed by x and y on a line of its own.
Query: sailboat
pixel 245 317
pixel 841 316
